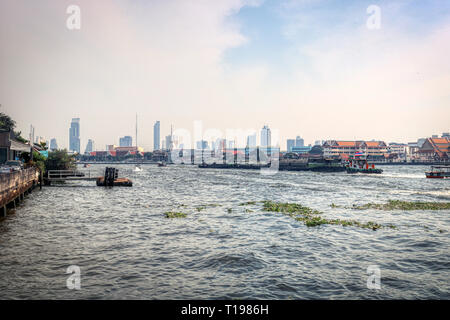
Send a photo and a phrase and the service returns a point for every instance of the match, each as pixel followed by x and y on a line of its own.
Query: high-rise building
pixel 290 143
pixel 318 143
pixel 299 142
pixel 168 144
pixel 126 141
pixel 89 146
pixel 156 136
pixel 74 135
pixel 53 144
pixel 265 137
pixel 251 141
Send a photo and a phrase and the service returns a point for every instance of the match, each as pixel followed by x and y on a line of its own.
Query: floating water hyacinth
pixel 311 217
pixel 172 215
pixel 404 205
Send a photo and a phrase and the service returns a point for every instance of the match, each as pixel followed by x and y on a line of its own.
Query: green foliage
pixel 290 208
pixel 312 218
pixel 39 161
pixel 172 215
pixel 18 135
pixel 404 205
pixel 6 122
pixel 60 160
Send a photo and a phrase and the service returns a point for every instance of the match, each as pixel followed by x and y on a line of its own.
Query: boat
pixel 438 172
pixel 86 165
pixel 360 165
pixel 162 164
pixel 137 168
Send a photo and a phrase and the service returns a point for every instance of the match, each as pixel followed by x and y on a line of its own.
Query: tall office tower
pixel 299 142
pixel 156 136
pixel 265 137
pixel 251 141
pixel 53 144
pixel 89 146
pixel 169 142
pixel 74 135
pixel 126 141
pixel 290 143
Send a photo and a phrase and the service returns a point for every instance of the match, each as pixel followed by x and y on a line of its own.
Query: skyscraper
pixel 89 146
pixel 290 143
pixel 299 142
pixel 74 135
pixel 265 137
pixel 168 145
pixel 53 144
pixel 126 141
pixel 251 141
pixel 156 136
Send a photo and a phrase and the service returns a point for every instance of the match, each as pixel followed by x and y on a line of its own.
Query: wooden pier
pixel 15 185
pixel 111 177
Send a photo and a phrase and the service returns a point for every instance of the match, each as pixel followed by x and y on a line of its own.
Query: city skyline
pixel 304 65
pixel 246 141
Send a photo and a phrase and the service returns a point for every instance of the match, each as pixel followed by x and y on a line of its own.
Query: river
pixel 126 248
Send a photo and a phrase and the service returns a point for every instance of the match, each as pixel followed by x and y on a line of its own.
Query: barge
pixel 438 172
pixel 360 165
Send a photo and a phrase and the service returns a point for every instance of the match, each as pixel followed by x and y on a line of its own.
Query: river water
pixel 127 249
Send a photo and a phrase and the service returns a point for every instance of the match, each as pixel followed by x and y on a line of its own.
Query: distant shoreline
pixel 375 163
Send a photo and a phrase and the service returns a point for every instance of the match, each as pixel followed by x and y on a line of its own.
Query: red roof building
pixel 337 148
pixel 435 149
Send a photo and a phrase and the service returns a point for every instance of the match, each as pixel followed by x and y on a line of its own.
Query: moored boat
pixel 438 172
pixel 360 165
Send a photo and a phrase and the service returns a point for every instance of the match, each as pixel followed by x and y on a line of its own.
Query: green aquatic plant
pixel 404 205
pixel 172 215
pixel 289 208
pixel 312 218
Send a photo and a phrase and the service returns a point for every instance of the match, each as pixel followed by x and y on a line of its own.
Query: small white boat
pixel 137 169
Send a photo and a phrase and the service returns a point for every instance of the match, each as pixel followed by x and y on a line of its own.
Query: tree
pixel 60 160
pixel 6 123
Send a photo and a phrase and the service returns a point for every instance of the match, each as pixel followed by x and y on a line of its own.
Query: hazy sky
pixel 305 67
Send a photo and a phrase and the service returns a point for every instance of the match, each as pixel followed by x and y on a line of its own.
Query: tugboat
pixel 360 165
pixel 438 172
